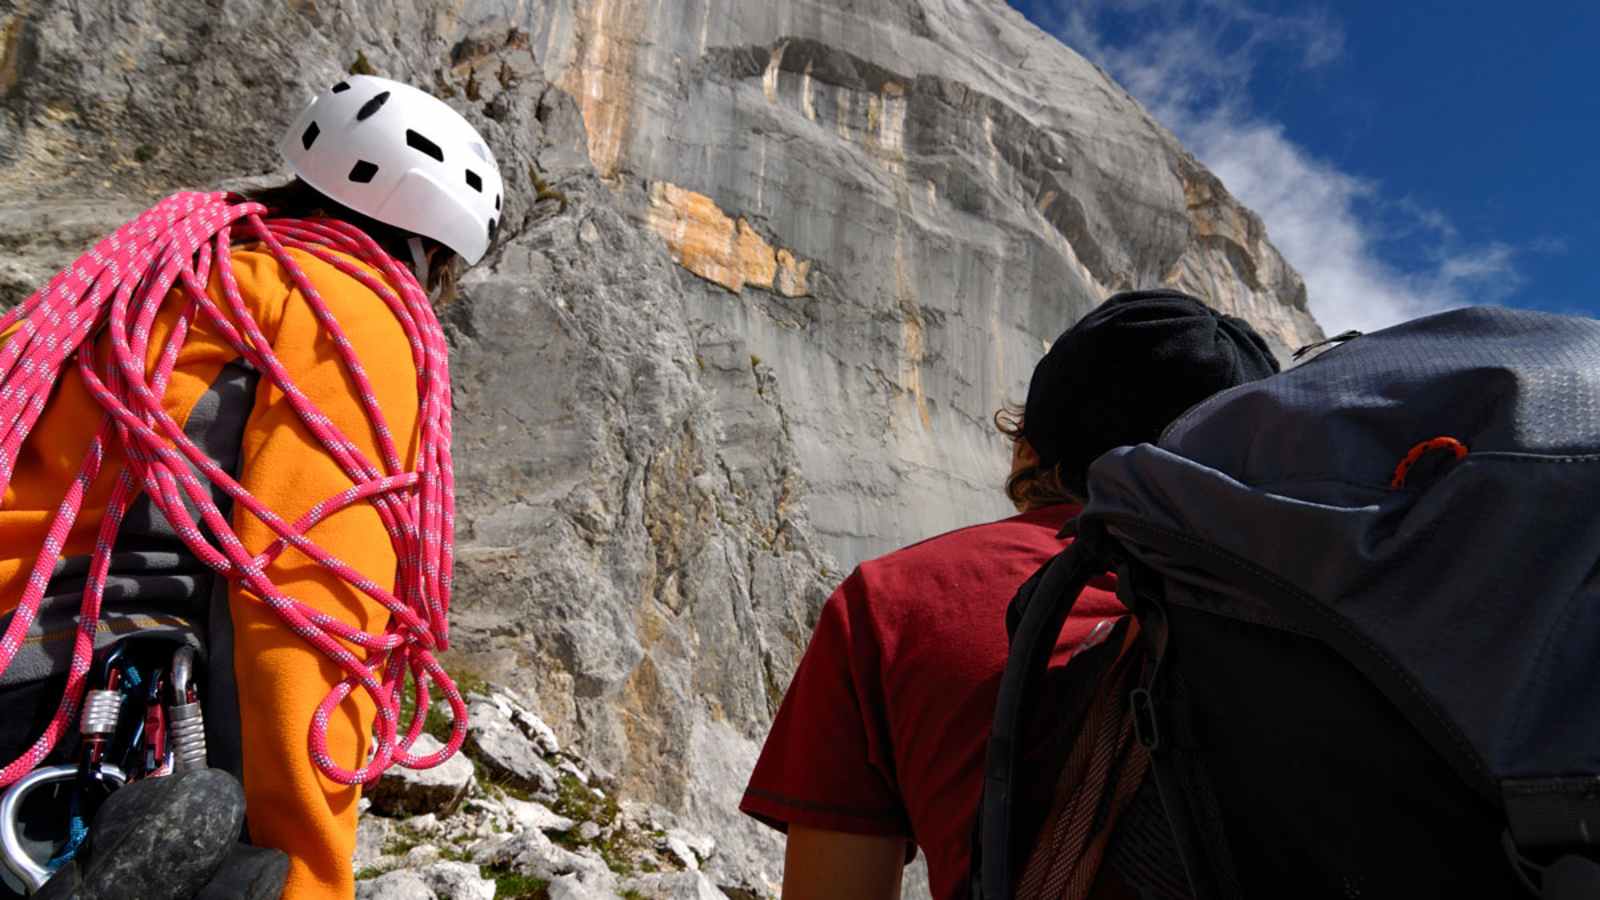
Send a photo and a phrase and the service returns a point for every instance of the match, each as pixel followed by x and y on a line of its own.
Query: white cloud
pixel 1192 64
pixel 1323 221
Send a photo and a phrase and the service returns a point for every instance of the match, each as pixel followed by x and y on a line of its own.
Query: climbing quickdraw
pixel 168 736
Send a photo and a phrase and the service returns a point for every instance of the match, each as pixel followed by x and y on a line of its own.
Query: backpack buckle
pixel 1145 728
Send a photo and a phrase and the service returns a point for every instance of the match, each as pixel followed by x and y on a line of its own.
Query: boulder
pixel 457 881
pixel 499 738
pixel 570 887
pixel 674 886
pixel 373 833
pixel 530 815
pixel 532 853
pixel 679 849
pixel 409 792
pixel 700 846
pixel 402 884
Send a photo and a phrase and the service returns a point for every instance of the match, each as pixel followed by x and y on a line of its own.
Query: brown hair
pixel 298 200
pixel 1031 486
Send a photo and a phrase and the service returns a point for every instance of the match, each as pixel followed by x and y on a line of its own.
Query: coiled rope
pixel 117 288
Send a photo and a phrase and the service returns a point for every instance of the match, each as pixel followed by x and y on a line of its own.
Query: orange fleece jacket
pixel 281 679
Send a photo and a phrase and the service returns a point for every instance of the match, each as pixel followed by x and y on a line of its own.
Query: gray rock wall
pixel 962 187
pixel 767 269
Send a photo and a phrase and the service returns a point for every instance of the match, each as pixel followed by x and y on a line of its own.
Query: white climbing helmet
pixel 401 156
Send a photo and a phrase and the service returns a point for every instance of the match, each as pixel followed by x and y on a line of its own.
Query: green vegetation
pixel 623 850
pixel 469 683
pixel 401 842
pixel 361 66
pixel 581 803
pixel 454 854
pixel 436 722
pixel 509 885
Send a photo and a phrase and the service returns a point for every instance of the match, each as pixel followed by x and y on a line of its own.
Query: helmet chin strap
pixel 420 266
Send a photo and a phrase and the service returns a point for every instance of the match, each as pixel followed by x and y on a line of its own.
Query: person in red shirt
pixel 878 747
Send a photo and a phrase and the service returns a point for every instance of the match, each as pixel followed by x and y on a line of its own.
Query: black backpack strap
pixel 1035 622
pixel 1163 723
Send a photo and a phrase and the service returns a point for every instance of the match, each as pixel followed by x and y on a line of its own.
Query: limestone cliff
pixel 765 272
pixel 920 192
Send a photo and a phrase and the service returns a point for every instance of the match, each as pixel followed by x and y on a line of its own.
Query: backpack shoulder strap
pixel 1162 724
pixel 1038 616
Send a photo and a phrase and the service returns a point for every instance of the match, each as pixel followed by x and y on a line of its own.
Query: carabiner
pixel 186 722
pixel 150 742
pixel 12 853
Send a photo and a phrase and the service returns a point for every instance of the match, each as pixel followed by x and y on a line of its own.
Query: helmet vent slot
pixel 372 106
pixel 496 202
pixel 418 142
pixel 362 172
pixel 310 135
pixel 493 227
pixel 341 87
pixel 474 182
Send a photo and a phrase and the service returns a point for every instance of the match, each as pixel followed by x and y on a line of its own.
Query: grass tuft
pixel 509 885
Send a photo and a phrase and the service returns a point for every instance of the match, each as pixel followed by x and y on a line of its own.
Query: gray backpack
pixel 1368 592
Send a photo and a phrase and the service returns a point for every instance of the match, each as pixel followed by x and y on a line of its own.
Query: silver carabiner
pixel 186 722
pixel 12 853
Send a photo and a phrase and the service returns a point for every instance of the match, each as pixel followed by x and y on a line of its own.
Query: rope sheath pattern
pixel 119 286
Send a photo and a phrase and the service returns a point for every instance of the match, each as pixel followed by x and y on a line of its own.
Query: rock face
pixel 766 269
pixel 411 791
pixel 893 203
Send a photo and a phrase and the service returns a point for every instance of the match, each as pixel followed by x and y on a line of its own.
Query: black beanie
pixel 1130 368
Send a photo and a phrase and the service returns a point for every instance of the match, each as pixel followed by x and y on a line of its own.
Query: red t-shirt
pixel 884 727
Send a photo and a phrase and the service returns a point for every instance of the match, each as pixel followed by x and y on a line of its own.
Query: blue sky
pixel 1406 157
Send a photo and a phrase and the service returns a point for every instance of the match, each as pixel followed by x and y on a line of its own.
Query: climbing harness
pixel 117 288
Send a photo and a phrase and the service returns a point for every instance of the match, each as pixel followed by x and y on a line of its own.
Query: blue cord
pixel 77 830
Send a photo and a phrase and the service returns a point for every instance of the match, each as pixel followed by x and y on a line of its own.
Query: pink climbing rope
pixel 118 287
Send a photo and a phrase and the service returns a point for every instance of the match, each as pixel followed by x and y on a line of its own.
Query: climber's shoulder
pixel 277 296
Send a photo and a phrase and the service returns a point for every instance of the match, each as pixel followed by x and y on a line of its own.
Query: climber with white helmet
pixel 234 414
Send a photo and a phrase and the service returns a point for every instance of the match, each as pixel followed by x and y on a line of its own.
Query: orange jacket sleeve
pixel 281 679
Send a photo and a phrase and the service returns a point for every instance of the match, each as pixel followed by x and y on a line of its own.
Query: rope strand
pixel 119 287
